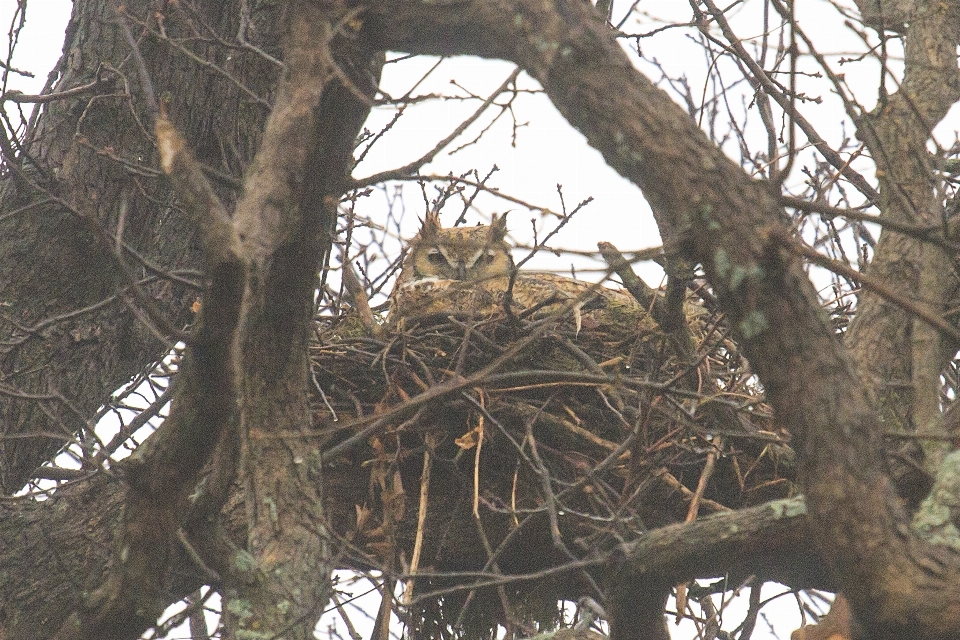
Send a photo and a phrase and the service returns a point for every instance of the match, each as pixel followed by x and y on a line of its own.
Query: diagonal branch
pixel 711 211
pixel 773 541
pixel 167 467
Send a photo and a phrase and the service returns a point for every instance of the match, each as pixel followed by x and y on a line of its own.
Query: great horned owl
pixel 461 253
pixel 466 270
pixel 452 270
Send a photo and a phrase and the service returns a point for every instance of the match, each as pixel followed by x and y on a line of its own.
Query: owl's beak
pixel 461 270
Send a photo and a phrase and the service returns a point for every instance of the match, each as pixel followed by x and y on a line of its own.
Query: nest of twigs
pixel 563 443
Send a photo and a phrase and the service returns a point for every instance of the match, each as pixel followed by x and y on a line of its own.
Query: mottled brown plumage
pixel 459 253
pixel 466 271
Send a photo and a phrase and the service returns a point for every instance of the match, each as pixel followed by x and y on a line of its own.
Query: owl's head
pixel 459 253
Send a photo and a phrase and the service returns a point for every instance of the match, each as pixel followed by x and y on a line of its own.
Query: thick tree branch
pixel 55 549
pixel 286 222
pixel 166 469
pixel 711 210
pixel 772 540
pixel 897 132
pixel 53 272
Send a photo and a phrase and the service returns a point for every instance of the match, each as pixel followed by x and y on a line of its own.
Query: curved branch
pixel 709 209
pixel 773 540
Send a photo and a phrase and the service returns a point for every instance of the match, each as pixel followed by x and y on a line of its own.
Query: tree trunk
pixel 88 173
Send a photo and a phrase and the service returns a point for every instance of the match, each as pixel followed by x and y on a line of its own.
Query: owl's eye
pixel 488 257
pixel 434 257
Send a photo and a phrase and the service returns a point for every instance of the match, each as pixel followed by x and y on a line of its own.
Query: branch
pixel 773 540
pixel 932 233
pixel 711 212
pixel 287 221
pixel 167 467
pixel 414 167
pixel 868 282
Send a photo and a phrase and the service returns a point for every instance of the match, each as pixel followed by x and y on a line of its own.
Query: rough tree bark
pixel 291 199
pixel 906 380
pixel 275 245
pixel 58 259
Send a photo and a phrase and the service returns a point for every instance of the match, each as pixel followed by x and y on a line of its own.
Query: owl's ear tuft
pixel 498 227
pixel 430 225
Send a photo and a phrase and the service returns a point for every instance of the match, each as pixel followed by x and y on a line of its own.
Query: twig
pixel 426 158
pixel 932 234
pixel 146 84
pixel 476 460
pixel 692 511
pixel 508 295
pixel 868 282
pixel 753 611
pixel 358 296
pixel 430 440
pixel 20 98
pixel 351 630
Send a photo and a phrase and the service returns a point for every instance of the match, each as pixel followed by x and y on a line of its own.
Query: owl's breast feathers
pixel 465 271
pixel 535 295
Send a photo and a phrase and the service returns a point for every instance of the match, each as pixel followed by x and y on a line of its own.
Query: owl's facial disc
pixel 472 259
pixel 441 258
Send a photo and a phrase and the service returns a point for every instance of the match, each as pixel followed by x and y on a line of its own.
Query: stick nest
pixel 586 439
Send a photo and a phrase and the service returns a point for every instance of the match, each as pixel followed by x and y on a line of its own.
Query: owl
pixel 452 270
pixel 466 271
pixel 461 253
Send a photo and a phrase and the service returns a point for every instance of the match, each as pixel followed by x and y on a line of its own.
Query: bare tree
pixel 169 214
